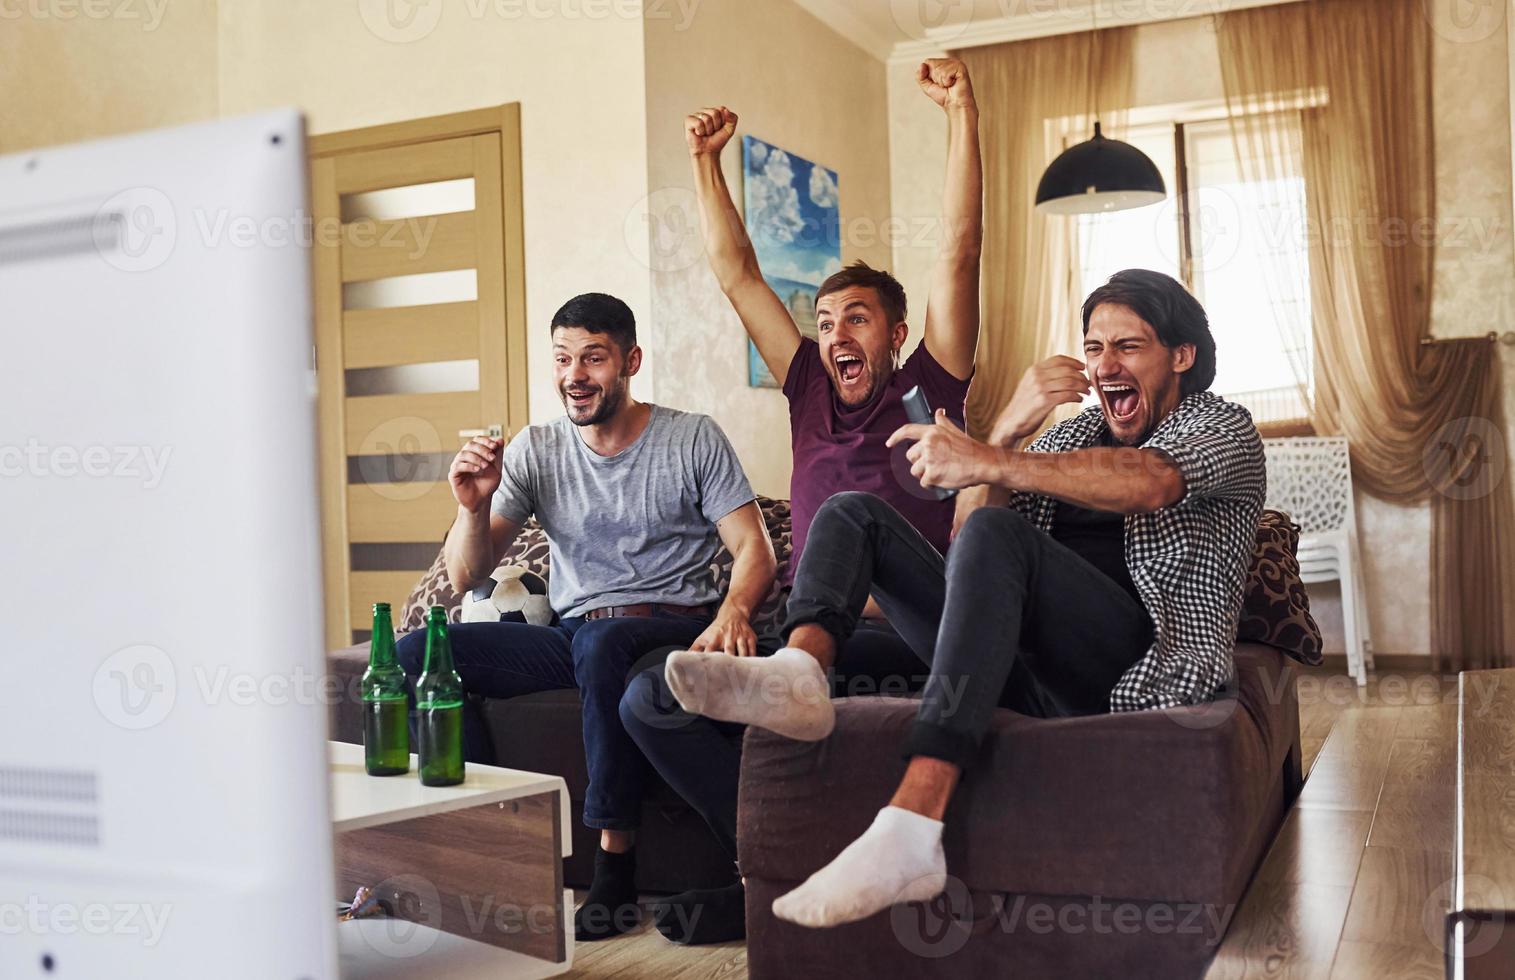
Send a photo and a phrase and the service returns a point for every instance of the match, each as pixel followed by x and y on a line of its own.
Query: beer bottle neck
pixel 438 650
pixel 381 648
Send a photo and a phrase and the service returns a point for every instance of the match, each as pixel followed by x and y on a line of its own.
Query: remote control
pixel 918 410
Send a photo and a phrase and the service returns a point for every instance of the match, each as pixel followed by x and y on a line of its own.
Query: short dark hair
pixel 891 295
pixel 599 313
pixel 1173 313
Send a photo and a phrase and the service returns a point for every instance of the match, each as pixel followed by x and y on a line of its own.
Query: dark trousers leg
pixel 604 652
pixel 496 660
pixel 1026 622
pixel 701 759
pixel 877 660
pixel 859 545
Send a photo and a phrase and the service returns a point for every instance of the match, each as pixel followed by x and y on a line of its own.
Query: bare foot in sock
pixel 786 693
pixel 898 859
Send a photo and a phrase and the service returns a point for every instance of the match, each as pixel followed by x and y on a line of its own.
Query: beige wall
pixel 1176 62
pixel 579 82
pixel 579 79
pixel 797 84
pixel 63 80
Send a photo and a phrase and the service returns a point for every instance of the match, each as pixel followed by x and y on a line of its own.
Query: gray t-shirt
pixel 635 527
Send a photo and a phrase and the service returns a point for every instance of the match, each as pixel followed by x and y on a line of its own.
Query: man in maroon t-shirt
pixel 844 388
pixel 844 391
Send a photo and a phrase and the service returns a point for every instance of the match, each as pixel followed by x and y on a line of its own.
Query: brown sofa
pixel 1116 845
pixel 1153 811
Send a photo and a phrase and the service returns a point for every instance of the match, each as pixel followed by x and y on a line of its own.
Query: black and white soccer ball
pixel 511 595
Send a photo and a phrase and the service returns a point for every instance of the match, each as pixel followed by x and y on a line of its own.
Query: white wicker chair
pixel 1310 479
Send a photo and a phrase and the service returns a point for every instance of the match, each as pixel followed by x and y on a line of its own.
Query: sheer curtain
pixel 1045 94
pixel 1423 420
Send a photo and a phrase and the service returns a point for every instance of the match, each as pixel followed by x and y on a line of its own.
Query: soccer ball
pixel 511 595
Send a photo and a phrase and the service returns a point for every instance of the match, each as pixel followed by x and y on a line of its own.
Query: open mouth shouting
pixel 849 369
pixel 1122 402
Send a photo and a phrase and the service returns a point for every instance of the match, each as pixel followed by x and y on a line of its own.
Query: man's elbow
pixel 458 578
pixel 734 274
pixel 1163 491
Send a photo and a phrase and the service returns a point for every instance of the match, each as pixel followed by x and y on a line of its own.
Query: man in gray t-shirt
pixel 635 499
pixel 635 527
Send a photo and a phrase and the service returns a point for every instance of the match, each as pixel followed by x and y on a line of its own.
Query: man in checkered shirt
pixel 1112 581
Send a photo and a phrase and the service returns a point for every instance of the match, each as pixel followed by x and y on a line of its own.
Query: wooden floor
pixel 1355 886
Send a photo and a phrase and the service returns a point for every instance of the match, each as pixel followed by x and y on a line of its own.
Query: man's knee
pixel 600 653
pixel 639 705
pixel 410 651
pixel 852 504
pixel 1003 526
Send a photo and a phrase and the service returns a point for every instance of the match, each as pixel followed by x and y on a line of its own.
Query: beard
pixel 594 412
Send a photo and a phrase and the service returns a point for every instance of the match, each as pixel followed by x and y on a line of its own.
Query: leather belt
pixel 645 609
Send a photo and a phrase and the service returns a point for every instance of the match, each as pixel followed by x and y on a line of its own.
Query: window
pixel 1238 245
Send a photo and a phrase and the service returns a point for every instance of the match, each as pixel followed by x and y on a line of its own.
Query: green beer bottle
pixel 439 708
pixel 386 713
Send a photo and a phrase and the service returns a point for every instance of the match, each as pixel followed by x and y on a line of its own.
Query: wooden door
pixel 420 337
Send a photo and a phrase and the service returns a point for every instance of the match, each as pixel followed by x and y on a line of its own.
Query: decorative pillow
pixel 1275 608
pixel 530 550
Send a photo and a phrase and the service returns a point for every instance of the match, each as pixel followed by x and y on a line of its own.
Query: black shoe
pixel 611 907
pixel 703 915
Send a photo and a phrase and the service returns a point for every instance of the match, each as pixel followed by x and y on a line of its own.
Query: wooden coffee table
pixel 474 872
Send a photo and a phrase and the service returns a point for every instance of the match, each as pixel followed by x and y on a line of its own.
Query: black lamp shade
pixel 1099 175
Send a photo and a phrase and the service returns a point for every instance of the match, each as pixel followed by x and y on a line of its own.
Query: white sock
pixel 786 693
pixel 898 859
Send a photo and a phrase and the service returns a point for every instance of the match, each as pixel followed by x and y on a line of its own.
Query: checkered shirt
pixel 1189 560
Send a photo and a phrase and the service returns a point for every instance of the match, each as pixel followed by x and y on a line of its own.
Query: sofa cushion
pixel 1276 608
pixel 1149 805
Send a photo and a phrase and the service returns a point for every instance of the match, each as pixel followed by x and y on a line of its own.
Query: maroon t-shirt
pixel 838 448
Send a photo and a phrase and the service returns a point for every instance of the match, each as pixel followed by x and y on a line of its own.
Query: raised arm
pixel 728 248
pixel 952 306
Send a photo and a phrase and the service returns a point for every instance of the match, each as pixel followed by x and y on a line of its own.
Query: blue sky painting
pixel 794 218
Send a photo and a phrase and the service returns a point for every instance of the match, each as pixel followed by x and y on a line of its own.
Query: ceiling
pixel 909 29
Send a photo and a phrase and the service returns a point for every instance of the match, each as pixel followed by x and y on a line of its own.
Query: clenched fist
pixel 1046 385
pixel 946 81
pixel 708 130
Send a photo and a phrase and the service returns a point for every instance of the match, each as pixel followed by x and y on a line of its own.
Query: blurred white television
pixel 163 782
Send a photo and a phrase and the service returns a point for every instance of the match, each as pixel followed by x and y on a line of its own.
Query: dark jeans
pixel 701 758
pixel 1011 618
pixel 503 660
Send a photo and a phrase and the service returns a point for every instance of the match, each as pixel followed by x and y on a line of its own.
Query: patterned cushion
pixel 530 550
pixel 1276 609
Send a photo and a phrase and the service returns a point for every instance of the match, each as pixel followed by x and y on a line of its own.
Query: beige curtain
pixel 1424 421
pixel 1044 94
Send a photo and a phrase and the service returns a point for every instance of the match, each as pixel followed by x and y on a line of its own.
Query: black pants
pixel 1011 618
pixel 701 758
